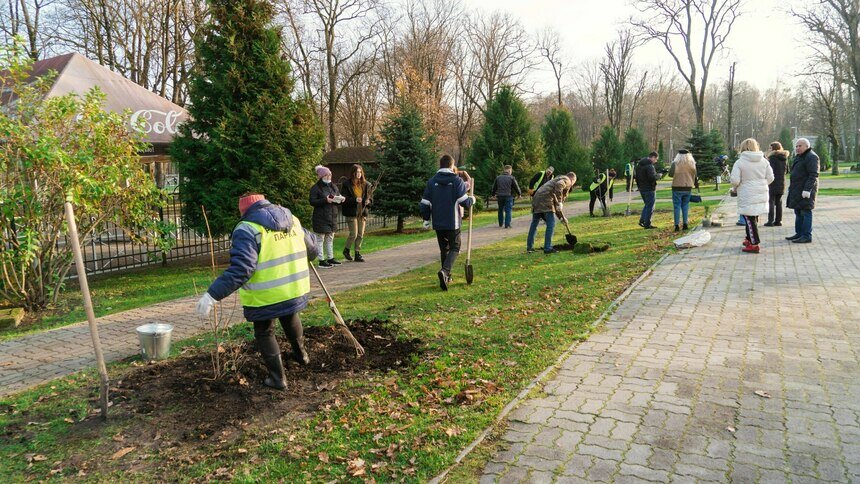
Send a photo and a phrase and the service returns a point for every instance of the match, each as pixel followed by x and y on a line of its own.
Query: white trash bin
pixel 154 340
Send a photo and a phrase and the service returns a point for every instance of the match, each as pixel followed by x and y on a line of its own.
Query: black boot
pixel 346 254
pixel 677 229
pixel 271 354
pixel 685 227
pixel 292 325
pixel 358 257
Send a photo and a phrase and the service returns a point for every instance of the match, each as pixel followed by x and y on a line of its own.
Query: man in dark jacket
pixel 443 196
pixel 646 179
pixel 802 188
pixel 505 189
pixel 778 159
pixel 269 267
pixel 540 179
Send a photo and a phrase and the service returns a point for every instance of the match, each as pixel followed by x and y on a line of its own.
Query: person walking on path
pixel 602 185
pixel 506 189
pixel 269 257
pixel 324 198
pixel 778 159
pixel 356 190
pixel 802 189
pixel 440 206
pixel 646 179
pixel 540 179
pixel 547 204
pixel 683 173
pixel 751 175
pixel 629 172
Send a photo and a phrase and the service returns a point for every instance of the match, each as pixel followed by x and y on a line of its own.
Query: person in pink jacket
pixel 751 175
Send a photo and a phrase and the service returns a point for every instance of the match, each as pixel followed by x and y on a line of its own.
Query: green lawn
pixel 113 293
pixel 842 192
pixel 482 344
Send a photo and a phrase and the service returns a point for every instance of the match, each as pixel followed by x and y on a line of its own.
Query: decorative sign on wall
pixel 154 121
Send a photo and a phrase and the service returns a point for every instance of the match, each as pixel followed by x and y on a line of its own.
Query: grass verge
pixel 482 344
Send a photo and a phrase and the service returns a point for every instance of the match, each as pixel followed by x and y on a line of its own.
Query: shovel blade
pixel 571 239
pixel 469 273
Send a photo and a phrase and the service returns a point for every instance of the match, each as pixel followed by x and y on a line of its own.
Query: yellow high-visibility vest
pixel 282 267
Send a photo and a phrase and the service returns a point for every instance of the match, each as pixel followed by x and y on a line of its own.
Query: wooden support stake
pixel 88 306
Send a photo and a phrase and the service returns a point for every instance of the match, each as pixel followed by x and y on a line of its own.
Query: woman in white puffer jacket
pixel 751 175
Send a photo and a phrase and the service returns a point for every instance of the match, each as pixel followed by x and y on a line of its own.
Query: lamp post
pixel 735 143
pixel 794 128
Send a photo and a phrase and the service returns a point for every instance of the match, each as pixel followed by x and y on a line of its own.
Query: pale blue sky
pixel 763 40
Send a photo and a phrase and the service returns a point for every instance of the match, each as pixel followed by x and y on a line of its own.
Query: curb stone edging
pixel 542 375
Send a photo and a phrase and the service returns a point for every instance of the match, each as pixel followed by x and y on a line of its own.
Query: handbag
pixel 695 198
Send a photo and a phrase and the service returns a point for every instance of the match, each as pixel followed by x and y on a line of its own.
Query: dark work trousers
pixel 449 247
pixel 752 229
pixel 264 332
pixel 774 208
pixel 596 195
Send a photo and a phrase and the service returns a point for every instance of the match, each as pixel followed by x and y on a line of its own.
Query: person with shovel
pixel 546 205
pixel 440 206
pixel 269 257
pixel 602 185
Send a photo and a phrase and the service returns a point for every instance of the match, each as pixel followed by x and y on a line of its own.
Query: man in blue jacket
pixel 269 267
pixel 443 196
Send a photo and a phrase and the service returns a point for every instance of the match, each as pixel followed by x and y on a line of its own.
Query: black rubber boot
pixel 271 353
pixel 358 257
pixel 292 326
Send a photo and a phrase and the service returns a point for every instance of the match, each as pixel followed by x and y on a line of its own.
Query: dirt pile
pixel 583 247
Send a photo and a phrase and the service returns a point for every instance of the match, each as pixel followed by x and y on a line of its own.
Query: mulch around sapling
pixel 175 406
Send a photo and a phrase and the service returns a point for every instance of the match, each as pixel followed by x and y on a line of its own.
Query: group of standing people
pixel 353 198
pixel 759 182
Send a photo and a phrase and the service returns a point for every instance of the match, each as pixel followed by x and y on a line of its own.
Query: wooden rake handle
pixel 344 329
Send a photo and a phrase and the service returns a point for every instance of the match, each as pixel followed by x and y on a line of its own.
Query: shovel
pixel 627 211
pixel 469 272
pixel 571 239
pixel 344 329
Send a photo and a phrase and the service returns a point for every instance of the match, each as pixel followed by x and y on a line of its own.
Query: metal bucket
pixel 154 340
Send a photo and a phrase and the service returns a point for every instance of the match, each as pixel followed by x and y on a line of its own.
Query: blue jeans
pixel 506 206
pixel 547 217
pixel 681 204
pixel 649 198
pixel 803 223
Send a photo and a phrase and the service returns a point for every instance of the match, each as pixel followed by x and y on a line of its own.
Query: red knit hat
pixel 245 201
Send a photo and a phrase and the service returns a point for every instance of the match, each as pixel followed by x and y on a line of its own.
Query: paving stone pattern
pixel 666 391
pixel 37 358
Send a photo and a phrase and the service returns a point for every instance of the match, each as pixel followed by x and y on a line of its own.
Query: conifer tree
pixel 246 132
pixel 785 139
pixel 564 152
pixel 407 159
pixel 822 148
pixel 506 138
pixel 633 146
pixel 606 151
pixel 704 146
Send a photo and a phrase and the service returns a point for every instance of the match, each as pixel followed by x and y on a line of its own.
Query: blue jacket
pixel 243 259
pixel 444 192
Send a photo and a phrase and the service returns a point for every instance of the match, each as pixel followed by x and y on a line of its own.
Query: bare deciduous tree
pixel 501 50
pixel 549 46
pixel 692 32
pixel 615 69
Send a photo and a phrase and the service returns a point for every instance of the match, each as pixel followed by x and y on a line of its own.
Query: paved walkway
pixel 720 366
pixel 30 360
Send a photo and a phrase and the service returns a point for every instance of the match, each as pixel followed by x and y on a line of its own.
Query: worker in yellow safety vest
pixel 269 267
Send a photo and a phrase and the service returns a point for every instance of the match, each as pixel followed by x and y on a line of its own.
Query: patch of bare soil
pixel 583 247
pixel 174 408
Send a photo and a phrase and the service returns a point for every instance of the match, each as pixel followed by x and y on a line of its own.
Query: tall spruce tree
pixel 564 152
pixel 506 138
pixel 408 159
pixel 633 146
pixel 246 132
pixel 606 151
pixel 822 148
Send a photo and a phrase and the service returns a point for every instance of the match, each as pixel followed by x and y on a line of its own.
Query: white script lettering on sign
pixel 153 121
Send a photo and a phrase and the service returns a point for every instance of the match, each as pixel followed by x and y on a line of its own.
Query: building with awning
pixel 158 117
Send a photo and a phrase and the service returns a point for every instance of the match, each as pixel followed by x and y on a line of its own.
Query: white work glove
pixel 806 194
pixel 427 225
pixel 205 305
pixel 561 207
